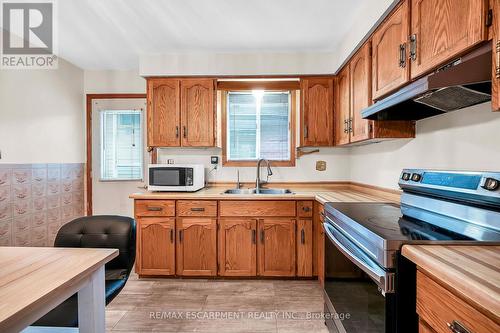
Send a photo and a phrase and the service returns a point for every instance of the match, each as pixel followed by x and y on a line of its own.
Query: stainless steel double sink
pixel 246 191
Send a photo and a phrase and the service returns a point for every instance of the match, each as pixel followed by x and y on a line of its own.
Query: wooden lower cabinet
pixel 276 249
pixel 319 243
pixel 196 246
pixel 304 247
pixel 155 246
pixel 237 247
pixel 438 308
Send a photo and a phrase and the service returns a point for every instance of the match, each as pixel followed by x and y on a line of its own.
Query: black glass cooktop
pixel 386 221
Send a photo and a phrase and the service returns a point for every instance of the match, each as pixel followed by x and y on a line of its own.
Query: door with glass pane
pixel 119 157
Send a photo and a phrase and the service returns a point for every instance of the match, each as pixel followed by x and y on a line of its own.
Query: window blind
pixel 258 125
pixel 121 145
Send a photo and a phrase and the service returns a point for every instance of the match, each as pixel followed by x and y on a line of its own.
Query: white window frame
pixel 101 146
pixel 258 130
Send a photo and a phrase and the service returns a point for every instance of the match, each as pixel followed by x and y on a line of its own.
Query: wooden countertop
pixel 470 272
pixel 33 279
pixel 320 193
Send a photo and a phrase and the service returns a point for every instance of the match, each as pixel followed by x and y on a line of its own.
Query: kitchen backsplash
pixel 36 200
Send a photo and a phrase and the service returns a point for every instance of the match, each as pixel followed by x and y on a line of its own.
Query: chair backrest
pixel 102 231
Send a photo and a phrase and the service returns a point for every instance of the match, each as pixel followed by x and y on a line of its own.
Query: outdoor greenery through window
pixel 258 125
pixel 121 145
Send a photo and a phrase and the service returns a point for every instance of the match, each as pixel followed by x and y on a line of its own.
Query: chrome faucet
pixel 258 181
pixel 238 184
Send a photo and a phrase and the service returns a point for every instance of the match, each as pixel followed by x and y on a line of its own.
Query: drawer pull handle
pixel 306 209
pixel 155 209
pixel 176 131
pixel 302 236
pixel 254 236
pixel 171 235
pixel 457 327
pixel 197 209
pixel 402 55
pixel 180 236
pixel 262 236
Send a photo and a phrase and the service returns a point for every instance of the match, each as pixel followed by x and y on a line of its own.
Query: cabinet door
pixel 238 247
pixel 495 80
pixel 197 112
pixel 317 112
pixel 361 97
pixel 390 67
pixel 155 246
pixel 276 247
pixel 163 116
pixel 443 29
pixel 342 106
pixel 304 247
pixel 196 246
pixel 317 228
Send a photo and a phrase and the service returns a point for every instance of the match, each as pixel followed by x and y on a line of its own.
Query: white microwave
pixel 176 177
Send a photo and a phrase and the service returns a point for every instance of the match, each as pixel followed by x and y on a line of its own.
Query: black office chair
pixel 104 231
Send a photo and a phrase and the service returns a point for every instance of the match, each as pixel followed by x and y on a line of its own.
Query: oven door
pixel 358 294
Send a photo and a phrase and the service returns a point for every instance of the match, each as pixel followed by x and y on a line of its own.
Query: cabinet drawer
pixel 154 208
pixel 305 208
pixel 196 208
pixel 438 307
pixel 257 208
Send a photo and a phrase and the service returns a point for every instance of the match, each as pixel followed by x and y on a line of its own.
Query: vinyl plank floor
pixel 209 305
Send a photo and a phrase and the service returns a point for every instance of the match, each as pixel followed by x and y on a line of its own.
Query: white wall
pixel 467 139
pixel 337 160
pixel 41 118
pixel 102 82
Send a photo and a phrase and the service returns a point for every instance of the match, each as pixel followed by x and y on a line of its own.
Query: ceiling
pixel 112 34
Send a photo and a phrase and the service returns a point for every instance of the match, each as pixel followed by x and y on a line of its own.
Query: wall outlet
pixel 170 161
pixel 214 159
pixel 321 165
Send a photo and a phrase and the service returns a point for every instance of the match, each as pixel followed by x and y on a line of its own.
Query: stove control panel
pixel 473 187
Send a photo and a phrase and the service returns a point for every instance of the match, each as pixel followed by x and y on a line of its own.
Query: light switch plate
pixel 321 165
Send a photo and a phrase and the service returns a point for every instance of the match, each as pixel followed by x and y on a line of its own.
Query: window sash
pixel 287 156
pixel 113 166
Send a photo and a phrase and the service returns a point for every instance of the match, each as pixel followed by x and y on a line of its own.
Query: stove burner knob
pixel 491 184
pixel 406 176
pixel 416 177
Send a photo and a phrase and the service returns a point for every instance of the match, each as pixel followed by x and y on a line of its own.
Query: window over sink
pixel 258 124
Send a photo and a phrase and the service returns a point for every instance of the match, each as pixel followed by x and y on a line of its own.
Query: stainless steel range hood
pixel 463 83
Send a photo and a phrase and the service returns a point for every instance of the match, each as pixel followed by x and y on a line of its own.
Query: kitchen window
pixel 121 145
pixel 258 124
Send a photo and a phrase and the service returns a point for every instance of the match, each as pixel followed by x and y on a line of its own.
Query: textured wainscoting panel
pixel 36 200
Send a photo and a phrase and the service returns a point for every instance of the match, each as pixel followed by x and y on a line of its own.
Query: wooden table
pixel 35 280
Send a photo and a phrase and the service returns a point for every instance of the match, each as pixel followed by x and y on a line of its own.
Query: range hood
pixel 463 83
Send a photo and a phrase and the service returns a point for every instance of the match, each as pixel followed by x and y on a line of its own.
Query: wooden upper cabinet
pixel 198 112
pixel 276 248
pixel 238 247
pixel 156 246
pixel 390 67
pixel 196 246
pixel 342 106
pixel 304 247
pixel 495 80
pixel 443 29
pixel 163 114
pixel 317 112
pixel 361 97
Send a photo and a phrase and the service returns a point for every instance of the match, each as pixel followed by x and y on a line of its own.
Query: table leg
pixel 91 303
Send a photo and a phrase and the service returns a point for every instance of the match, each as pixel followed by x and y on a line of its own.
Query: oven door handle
pixel 383 279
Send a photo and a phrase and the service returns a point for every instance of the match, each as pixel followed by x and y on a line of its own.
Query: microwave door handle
pixel 384 280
